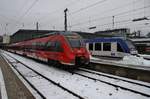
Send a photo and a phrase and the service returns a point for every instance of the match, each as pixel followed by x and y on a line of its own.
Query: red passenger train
pixel 64 47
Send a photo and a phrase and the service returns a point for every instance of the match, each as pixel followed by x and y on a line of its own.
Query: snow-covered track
pixel 43 97
pixel 37 73
pixel 83 86
pixel 115 77
pixel 94 76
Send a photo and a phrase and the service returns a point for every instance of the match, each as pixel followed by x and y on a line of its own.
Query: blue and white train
pixel 110 47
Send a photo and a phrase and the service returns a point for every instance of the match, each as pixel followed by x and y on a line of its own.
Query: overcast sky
pixel 82 14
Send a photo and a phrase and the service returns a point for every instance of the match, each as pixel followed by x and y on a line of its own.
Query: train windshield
pixel 75 40
pixel 130 44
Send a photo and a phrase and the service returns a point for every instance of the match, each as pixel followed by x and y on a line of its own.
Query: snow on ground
pixel 49 90
pixel 129 60
pixel 87 88
pixel 134 60
pixel 144 56
pixel 119 82
pixel 93 58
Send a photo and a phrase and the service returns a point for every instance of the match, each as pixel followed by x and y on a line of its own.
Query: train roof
pixel 58 33
pixel 106 39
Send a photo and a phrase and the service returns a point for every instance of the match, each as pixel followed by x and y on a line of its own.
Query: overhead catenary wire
pixel 84 7
pixel 54 12
pixel 116 8
pixel 26 12
pixel 59 9
pixel 122 21
pixel 80 23
pixel 24 4
pixel 89 6
pixel 124 5
pixel 111 16
pixel 7 18
pixel 118 14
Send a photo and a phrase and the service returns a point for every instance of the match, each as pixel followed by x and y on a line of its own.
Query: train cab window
pixel 90 46
pixel 106 46
pixel 130 44
pixel 97 46
pixel 74 40
pixel 119 49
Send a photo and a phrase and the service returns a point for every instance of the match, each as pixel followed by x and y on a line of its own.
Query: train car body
pixel 110 47
pixel 64 47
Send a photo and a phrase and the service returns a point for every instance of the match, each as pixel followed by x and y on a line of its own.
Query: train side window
pixel 58 47
pixel 107 46
pixel 97 46
pixel 90 46
pixel 33 45
pixel 41 45
pixel 48 46
pixel 53 46
pixel 119 49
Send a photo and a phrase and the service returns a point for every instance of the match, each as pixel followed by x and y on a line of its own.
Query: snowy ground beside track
pixel 129 60
pixel 89 89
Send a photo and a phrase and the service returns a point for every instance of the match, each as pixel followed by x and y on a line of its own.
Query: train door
pixel 106 49
pixel 97 48
pixel 90 47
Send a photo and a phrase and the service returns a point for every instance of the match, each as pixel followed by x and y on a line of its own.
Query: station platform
pixel 15 89
pixel 3 93
pixel 114 63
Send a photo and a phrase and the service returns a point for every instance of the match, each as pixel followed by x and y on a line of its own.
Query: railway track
pixel 115 77
pixel 113 81
pixel 135 72
pixel 35 73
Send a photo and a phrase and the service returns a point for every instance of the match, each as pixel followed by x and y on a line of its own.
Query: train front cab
pixel 131 47
pixel 76 52
pixel 67 49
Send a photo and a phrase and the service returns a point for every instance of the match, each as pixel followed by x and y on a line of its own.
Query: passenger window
pixel 54 46
pixel 90 46
pixel 58 47
pixel 48 46
pixel 33 45
pixel 119 49
pixel 97 46
pixel 107 46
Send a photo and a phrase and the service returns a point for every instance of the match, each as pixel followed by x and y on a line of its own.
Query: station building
pixel 22 34
pixel 26 34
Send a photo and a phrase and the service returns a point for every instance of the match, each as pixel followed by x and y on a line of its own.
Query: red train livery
pixel 64 47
